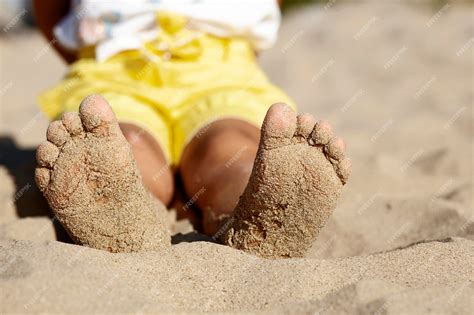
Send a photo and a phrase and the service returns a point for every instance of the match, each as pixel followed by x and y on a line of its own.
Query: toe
pixel 322 133
pixel 304 125
pixel 279 124
pixel 46 154
pixel 73 123
pixel 57 133
pixel 343 169
pixel 42 177
pixel 97 115
pixel 335 148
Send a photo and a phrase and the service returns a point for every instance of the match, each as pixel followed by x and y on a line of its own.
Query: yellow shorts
pixel 173 86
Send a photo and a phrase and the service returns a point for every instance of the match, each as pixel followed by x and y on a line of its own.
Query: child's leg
pixel 216 165
pixel 151 161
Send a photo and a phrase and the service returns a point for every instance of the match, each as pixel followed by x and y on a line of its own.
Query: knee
pixel 225 146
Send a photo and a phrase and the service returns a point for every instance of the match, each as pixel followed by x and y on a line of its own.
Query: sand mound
pixel 200 276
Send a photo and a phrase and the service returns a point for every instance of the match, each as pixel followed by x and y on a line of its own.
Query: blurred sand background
pixel 395 79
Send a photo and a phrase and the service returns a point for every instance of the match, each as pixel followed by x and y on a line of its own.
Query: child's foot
pixel 87 173
pixel 297 177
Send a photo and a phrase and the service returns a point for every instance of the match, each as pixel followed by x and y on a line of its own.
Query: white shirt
pixel 118 25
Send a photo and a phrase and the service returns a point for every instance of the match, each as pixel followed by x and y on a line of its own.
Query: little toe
pixel 73 123
pixel 42 177
pixel 97 115
pixel 304 125
pixel 46 154
pixel 335 148
pixel 57 133
pixel 279 124
pixel 344 169
pixel 322 133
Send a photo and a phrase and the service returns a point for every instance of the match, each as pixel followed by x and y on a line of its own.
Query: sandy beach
pixel 395 80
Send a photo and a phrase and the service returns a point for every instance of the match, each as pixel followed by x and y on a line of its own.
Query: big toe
pixel 97 115
pixel 279 124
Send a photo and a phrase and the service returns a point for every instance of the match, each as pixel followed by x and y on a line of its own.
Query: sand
pixel 396 82
pixel 210 277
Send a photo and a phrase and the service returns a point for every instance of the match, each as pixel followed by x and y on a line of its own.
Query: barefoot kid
pixel 180 89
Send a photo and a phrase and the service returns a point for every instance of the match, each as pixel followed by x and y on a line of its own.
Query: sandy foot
pixel 298 175
pixel 87 173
